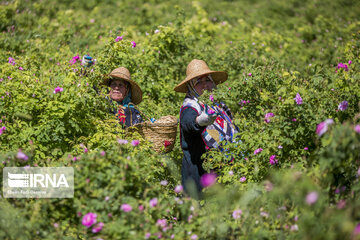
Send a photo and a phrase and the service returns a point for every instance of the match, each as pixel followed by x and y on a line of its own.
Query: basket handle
pixel 143 114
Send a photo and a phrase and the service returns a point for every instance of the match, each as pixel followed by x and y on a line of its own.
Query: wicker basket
pixel 162 133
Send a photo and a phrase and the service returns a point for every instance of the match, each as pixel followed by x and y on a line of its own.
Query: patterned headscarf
pixel 191 86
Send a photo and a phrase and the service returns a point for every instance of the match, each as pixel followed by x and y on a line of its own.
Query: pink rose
pixel 126 207
pixel 208 179
pixel 89 219
pixel 311 198
pixel 98 227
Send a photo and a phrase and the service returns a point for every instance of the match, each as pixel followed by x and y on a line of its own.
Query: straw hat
pixel 124 74
pixel 197 68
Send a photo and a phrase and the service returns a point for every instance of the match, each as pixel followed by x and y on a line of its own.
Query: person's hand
pixel 87 61
pixel 206 118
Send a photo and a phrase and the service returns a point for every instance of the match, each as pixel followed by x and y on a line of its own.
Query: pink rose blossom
pixel 178 189
pixel 249 74
pixel 74 59
pixel 20 68
pixel 22 156
pixel 122 141
pixel 268 116
pixel 133 44
pixel 194 237
pixel 343 66
pixel 125 207
pixel 58 89
pixel 357 128
pixel 242 179
pixel 208 179
pixel 294 228
pixel 98 227
pixel 343 105
pixel 153 202
pixel 311 198
pixel 89 219
pixel 259 150
pixel 161 222
pixel 118 38
pixel 210 111
pixel 135 142
pixel 341 204
pixel 298 99
pixel 356 230
pixel 264 214
pixel 272 160
pixel 236 214
pixel 323 126
pixel 11 61
pixel 2 129
pixel 350 62
pixel 164 182
pixel 306 148
pixel 211 98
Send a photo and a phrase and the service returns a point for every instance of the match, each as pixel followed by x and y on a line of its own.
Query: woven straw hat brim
pixel 217 76
pixel 136 93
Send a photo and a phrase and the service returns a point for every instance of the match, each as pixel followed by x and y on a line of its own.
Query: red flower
pixel 167 143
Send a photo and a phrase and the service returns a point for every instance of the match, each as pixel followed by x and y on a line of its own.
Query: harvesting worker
pixel 201 127
pixel 126 93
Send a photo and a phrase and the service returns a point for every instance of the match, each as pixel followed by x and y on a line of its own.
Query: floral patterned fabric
pixel 221 131
pixel 128 116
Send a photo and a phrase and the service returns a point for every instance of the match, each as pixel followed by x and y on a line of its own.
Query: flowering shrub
pixel 293 90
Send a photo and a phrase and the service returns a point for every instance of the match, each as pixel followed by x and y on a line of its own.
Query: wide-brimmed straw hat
pixel 124 74
pixel 197 68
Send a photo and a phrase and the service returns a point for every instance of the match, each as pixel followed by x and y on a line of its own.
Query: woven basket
pixel 162 133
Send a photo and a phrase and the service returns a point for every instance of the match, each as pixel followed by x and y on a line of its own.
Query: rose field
pixel 293 87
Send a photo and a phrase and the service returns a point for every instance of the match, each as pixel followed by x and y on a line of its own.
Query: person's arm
pixel 86 62
pixel 192 121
